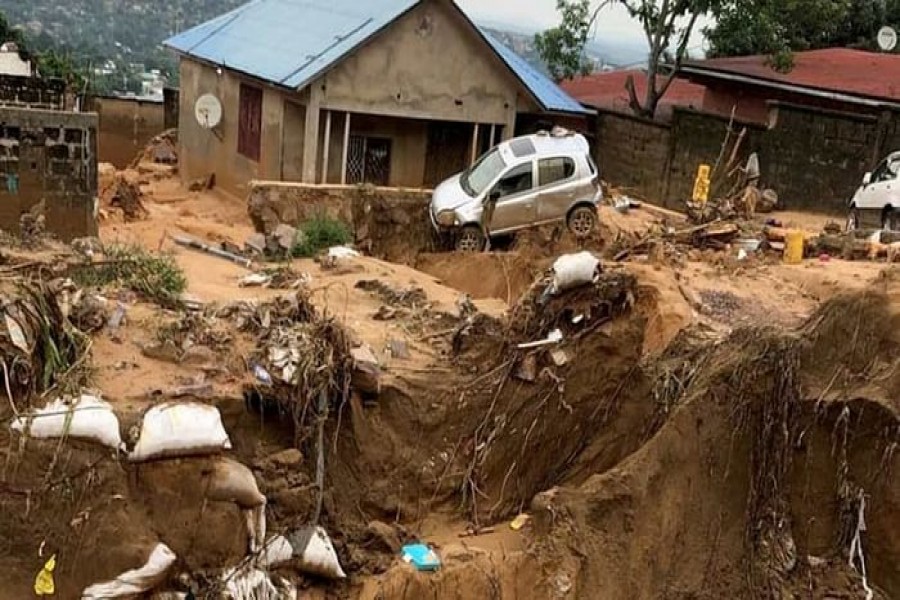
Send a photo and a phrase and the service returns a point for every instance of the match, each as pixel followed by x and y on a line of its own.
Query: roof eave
pixel 872 102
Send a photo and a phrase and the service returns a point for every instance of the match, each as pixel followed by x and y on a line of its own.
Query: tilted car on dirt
pixel 522 183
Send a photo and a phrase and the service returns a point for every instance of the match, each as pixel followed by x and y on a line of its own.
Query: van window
pixel 518 180
pixel 551 170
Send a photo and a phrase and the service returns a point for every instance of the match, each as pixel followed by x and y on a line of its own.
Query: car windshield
pixel 475 180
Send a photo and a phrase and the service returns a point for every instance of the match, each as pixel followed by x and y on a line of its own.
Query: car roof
pixel 544 144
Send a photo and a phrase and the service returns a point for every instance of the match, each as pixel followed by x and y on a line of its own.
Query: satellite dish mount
pixel 208 111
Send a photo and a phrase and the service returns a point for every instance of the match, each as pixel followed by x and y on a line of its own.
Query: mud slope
pixel 753 487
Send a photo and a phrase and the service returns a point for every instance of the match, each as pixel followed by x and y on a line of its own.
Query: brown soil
pixel 704 432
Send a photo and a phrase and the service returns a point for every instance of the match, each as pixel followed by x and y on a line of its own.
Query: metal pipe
pixel 198 245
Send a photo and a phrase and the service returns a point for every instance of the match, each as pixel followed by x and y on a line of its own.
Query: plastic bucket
pixel 793 247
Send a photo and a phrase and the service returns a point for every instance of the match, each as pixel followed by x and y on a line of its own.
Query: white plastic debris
pixel 339 252
pixel 246 583
pixel 316 553
pixel 875 238
pixel 136 581
pixel 573 270
pixel 856 547
pixel 186 429
pixel 555 337
pixel 88 418
pixel 254 280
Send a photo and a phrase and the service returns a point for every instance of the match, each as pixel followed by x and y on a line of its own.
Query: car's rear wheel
pixel 852 219
pixel 890 220
pixel 582 221
pixel 470 239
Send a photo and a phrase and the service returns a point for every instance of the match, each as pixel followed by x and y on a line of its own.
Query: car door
pixel 883 183
pixel 514 194
pixel 556 189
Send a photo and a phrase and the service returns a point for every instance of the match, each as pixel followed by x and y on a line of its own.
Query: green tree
pixel 667 25
pixel 780 27
pixel 562 47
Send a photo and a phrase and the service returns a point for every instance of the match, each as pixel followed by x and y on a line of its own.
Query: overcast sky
pixel 537 15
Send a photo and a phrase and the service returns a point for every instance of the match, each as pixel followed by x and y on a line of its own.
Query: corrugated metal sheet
pixel 291 42
pixel 550 95
pixel 288 42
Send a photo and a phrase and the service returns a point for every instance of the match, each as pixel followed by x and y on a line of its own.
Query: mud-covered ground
pixel 709 428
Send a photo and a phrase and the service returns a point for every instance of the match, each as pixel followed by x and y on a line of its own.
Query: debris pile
pixel 162 149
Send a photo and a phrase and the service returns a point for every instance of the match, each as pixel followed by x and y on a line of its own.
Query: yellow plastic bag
pixel 43 583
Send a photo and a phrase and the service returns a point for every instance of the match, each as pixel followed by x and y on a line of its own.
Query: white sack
pixel 573 270
pixel 253 584
pixel 136 581
pixel 89 418
pixel 277 551
pixel 316 553
pixel 186 429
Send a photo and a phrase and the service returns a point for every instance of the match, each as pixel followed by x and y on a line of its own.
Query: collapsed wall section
pixel 389 223
pixel 49 156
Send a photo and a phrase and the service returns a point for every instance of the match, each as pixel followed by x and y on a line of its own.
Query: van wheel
pixel 582 221
pixel 890 221
pixel 470 239
pixel 852 220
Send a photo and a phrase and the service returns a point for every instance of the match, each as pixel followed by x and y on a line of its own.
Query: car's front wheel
pixel 852 220
pixel 582 221
pixel 470 239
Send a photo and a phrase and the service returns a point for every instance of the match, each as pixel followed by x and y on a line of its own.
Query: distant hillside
pixel 125 32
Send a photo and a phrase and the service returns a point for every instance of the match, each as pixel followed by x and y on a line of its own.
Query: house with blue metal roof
pixel 389 92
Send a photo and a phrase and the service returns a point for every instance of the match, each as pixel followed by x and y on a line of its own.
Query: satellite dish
pixel 887 38
pixel 208 111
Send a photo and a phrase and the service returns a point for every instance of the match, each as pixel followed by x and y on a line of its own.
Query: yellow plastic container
pixel 793 247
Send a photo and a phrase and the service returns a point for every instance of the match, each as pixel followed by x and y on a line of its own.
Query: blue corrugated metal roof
pixel 547 93
pixel 291 42
pixel 288 42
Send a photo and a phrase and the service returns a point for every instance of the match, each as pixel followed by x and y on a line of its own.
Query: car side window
pixel 885 171
pixel 517 180
pixel 552 170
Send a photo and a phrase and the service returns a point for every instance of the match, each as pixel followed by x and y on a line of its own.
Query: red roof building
pixel 835 78
pixel 606 91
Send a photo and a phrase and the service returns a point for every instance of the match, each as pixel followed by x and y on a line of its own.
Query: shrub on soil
pixel 320 233
pixel 155 277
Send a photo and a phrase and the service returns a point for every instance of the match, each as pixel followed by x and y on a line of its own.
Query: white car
pixel 877 201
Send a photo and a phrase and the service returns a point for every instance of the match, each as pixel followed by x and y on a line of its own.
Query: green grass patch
pixel 155 277
pixel 318 234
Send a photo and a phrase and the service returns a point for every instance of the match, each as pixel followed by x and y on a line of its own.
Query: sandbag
pixel 136 581
pixel 573 270
pixel 316 553
pixel 231 481
pixel 277 551
pixel 87 418
pixel 183 429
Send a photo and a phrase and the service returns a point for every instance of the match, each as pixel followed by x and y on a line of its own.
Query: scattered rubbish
pixel 824 257
pixel 341 252
pixel 254 280
pixel 248 583
pixel 476 531
pixel 136 581
pixel 399 349
pixel 577 319
pixel 212 250
pixel 117 319
pixel 748 244
pixel 793 247
pixel 256 244
pixel 87 418
pixel 554 337
pixel 856 548
pixel 573 270
pixel 261 375
pixel 774 223
pixel 187 429
pixel 285 236
pixel 519 522
pixel 742 254
pixel 315 552
pixel 527 369
pixel 422 557
pixel 559 357
pixel 43 582
pixel 231 481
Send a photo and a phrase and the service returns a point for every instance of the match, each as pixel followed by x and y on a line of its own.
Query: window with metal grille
pixel 250 122
pixel 369 160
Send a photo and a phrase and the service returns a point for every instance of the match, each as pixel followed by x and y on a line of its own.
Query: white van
pixel 876 202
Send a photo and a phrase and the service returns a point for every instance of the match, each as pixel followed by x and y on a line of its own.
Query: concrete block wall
pixel 126 126
pixel 32 92
pixel 633 153
pixel 50 156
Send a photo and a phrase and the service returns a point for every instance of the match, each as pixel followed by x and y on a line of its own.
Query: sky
pixel 536 15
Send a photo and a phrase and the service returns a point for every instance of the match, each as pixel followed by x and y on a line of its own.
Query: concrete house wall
pixel 428 66
pixel 126 126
